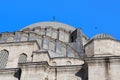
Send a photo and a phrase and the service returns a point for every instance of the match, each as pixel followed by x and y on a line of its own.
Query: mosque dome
pixel 102 36
pixel 55 25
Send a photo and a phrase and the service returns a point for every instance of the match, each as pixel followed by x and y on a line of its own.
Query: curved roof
pixel 103 36
pixel 54 25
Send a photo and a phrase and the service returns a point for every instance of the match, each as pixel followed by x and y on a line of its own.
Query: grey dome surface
pixel 102 36
pixel 54 25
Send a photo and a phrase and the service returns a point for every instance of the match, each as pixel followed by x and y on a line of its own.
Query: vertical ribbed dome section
pixel 102 36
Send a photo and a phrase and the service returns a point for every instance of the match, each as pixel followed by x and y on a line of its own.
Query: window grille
pixel 3 58
pixel 22 58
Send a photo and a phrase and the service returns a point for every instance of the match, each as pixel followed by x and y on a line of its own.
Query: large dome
pixel 54 25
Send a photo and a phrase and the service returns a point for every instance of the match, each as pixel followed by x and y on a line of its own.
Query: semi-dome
pixel 102 36
pixel 55 25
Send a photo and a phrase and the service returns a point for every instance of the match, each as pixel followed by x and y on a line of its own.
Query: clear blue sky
pixel 93 16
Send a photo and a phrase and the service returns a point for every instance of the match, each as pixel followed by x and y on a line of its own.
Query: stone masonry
pixel 57 51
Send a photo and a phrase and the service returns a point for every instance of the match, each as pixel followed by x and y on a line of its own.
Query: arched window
pixel 68 63
pixel 3 58
pixel 22 58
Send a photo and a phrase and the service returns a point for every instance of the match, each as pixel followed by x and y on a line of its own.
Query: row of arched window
pixel 22 59
pixel 4 58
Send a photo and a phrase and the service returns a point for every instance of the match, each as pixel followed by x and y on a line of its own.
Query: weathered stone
pixel 56 51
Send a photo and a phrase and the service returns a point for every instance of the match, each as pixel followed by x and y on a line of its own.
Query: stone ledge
pixel 30 64
pixel 102 59
pixel 9 70
pixel 47 52
pixel 67 68
pixel 40 51
pixel 34 41
pixel 90 41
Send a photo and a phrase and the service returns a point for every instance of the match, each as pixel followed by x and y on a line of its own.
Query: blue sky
pixel 93 16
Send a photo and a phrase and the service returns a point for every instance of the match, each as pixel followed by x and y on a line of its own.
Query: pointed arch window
pixel 3 58
pixel 22 58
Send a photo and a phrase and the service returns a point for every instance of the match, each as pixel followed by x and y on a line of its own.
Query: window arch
pixel 22 58
pixel 3 58
pixel 68 63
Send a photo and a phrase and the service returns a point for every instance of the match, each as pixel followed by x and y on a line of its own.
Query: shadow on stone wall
pixel 83 72
pixel 18 74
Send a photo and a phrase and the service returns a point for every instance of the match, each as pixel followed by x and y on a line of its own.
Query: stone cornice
pixel 67 68
pixel 33 64
pixel 20 42
pixel 9 70
pixel 42 52
pixel 102 59
pixel 47 52
pixel 100 39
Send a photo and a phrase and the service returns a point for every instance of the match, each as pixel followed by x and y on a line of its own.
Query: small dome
pixel 102 36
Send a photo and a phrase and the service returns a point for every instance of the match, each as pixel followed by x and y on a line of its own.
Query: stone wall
pixel 31 50
pixel 34 71
pixel 103 47
pixel 89 49
pixel 42 71
pixel 10 74
pixel 15 49
pixel 59 34
pixel 84 39
pixel 58 61
pixel 107 47
pixel 103 68
pixel 45 42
